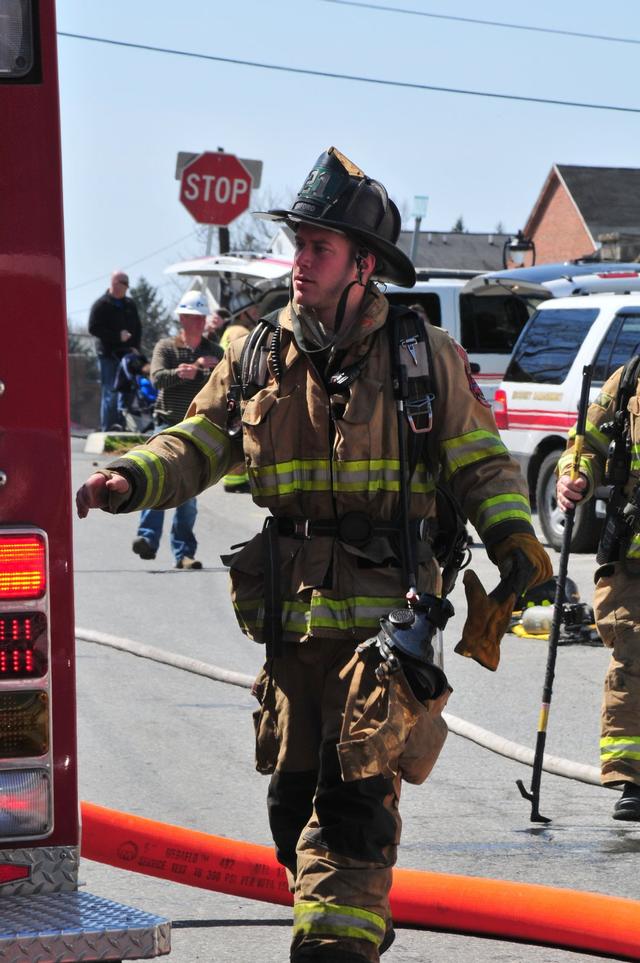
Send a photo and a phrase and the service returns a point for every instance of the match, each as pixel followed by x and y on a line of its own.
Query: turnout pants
pixel 617 611
pixel 337 839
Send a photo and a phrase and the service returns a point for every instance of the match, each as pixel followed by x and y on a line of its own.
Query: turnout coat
pixel 311 460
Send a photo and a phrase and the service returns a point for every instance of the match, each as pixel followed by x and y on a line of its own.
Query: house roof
pixel 453 249
pixel 608 198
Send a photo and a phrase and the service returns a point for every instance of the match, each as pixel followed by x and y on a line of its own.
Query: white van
pixel 537 401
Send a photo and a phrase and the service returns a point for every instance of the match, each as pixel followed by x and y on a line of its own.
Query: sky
pixel 126 113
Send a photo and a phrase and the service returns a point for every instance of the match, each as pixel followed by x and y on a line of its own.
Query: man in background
pixel 115 324
pixel 179 368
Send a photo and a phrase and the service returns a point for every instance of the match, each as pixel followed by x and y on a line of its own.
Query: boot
pixel 143 547
pixel 188 563
pixel 628 806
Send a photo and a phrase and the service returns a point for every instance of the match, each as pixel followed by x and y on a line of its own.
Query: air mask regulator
pixel 405 642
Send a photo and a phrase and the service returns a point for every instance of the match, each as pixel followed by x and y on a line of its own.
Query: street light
pixel 420 202
pixel 515 249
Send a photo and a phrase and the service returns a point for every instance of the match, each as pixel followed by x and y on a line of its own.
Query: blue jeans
pixel 108 400
pixel 183 540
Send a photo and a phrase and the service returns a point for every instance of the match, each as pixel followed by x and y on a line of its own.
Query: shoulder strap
pixel 253 357
pixel 411 354
pixel 413 379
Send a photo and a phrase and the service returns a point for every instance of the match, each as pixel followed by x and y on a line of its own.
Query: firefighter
pixel 314 418
pixel 617 597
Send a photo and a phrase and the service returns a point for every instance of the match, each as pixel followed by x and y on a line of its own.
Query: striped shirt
pixel 175 394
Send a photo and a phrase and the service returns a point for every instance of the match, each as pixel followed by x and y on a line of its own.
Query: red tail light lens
pixel 500 410
pixel 23 567
pixel 23 645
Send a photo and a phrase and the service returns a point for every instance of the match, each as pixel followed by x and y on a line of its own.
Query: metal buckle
pixel 410 345
pixel 301 528
pixel 420 408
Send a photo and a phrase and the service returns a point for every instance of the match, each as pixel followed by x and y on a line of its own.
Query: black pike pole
pixel 534 793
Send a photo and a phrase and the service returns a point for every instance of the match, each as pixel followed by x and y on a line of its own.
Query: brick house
pixel 587 212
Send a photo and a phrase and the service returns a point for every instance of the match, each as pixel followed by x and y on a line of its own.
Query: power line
pixel 353 77
pixel 133 263
pixel 486 23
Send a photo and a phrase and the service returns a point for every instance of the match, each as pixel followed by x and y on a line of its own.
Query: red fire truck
pixel 43 915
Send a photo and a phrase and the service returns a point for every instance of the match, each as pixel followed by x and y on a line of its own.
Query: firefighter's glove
pixel 523 563
pixel 488 619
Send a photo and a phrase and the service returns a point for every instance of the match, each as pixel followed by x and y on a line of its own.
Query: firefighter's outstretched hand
pixel 95 492
pixel 487 621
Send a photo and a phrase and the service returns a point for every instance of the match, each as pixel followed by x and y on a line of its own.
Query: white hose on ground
pixel 484 738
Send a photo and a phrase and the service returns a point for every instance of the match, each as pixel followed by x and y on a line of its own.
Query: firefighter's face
pixel 323 265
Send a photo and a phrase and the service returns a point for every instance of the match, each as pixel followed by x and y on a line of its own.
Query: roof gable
pixel 607 198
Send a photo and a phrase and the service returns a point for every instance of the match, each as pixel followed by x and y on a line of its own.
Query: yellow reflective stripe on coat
pixel 470 448
pixel 153 470
pixel 250 615
pixel 208 439
pixel 585 465
pixel 634 548
pixel 595 438
pixel 321 475
pixel 356 612
pixel 619 747
pixel 297 475
pixel 501 508
pixel 635 457
pixel 343 922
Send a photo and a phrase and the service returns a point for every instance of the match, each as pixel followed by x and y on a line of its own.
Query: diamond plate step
pixel 68 927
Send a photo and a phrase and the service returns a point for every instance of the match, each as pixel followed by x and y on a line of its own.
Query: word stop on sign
pixel 210 187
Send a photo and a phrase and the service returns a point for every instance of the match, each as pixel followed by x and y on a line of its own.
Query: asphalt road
pixel 168 745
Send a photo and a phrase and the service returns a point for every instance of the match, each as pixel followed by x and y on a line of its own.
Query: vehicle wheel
pixel 586 527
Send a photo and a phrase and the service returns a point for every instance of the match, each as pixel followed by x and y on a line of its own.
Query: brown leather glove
pixel 523 563
pixel 487 621
pixel 505 555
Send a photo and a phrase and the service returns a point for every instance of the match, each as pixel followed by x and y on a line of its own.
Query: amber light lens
pixel 24 724
pixel 23 572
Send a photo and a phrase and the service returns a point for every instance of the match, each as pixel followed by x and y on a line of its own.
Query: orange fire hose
pixel 525 912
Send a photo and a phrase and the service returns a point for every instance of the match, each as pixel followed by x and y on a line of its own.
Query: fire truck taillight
pixel 24 724
pixel 26 757
pixel 22 566
pixel 25 803
pixel 23 645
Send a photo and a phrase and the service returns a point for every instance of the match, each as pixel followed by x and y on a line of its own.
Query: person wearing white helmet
pixel 179 367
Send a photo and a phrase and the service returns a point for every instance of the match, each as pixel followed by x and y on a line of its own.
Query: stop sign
pixel 215 188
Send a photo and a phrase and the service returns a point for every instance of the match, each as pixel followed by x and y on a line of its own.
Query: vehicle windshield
pixel 491 324
pixel 548 345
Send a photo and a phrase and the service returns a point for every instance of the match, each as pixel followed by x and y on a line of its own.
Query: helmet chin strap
pixel 321 339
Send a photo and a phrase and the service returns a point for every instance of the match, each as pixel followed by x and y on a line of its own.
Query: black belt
pixel 354 528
